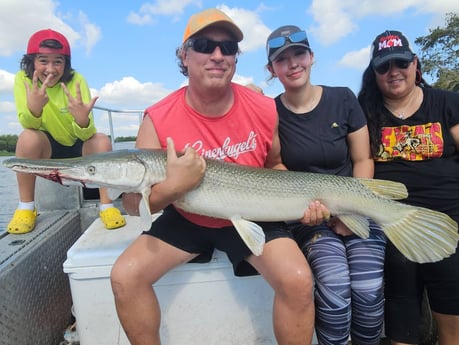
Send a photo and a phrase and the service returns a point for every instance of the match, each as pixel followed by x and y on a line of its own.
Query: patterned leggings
pixel 348 273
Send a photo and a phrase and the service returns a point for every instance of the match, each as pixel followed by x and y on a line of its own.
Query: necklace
pixel 410 107
pixel 397 114
pixel 310 104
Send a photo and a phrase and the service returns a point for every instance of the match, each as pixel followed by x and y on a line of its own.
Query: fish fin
pixel 423 235
pixel 145 211
pixel 359 225
pixel 114 194
pixel 251 233
pixel 385 189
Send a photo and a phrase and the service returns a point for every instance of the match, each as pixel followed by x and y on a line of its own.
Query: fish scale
pixel 284 194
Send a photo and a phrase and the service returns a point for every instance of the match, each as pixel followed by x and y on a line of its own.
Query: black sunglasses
pixel 384 68
pixel 207 46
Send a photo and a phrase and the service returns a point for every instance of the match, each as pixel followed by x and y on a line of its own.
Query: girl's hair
pixel 372 102
pixel 27 62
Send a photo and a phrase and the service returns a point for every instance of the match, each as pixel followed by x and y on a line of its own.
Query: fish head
pixel 120 170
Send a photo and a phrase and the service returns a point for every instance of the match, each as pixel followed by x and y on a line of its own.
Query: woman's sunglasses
pixel 207 46
pixel 384 68
pixel 278 42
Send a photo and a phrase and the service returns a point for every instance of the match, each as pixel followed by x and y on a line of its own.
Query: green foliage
pixel 448 80
pixel 440 53
pixel 8 143
pixel 124 139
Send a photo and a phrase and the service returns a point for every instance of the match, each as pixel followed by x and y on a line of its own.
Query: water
pixel 9 196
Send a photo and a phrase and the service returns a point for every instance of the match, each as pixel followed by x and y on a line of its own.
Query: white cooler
pixel 200 303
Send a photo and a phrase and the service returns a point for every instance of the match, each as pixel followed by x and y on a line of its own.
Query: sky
pixel 126 49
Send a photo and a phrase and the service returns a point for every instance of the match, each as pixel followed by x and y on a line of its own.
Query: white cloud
pixel 91 33
pixel 7 107
pixel 335 19
pixel 331 21
pixel 139 19
pixel 6 82
pixel 356 59
pixel 21 18
pixel 10 123
pixel 251 25
pixel 438 6
pixel 147 12
pixel 249 21
pixel 242 80
pixel 17 23
pixel 124 124
pixel 129 93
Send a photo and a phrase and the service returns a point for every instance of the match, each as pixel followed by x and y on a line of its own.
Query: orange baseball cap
pixel 206 18
pixel 34 45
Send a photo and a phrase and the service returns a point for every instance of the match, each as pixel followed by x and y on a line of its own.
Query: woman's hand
pixel 315 214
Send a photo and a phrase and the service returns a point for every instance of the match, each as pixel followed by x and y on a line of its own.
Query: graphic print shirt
pixel 421 153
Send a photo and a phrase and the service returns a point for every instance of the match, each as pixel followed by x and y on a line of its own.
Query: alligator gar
pixel 245 195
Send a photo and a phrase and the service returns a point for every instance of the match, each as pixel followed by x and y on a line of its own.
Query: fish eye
pixel 91 170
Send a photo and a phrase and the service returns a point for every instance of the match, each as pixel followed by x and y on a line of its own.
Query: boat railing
pixel 110 113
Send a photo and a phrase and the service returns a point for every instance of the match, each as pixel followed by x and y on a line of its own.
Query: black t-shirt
pixel 421 153
pixel 317 141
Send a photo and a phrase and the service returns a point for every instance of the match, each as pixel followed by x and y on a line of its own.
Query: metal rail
pixel 110 119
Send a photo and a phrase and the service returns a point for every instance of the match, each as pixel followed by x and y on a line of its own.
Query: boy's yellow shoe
pixel 23 221
pixel 112 218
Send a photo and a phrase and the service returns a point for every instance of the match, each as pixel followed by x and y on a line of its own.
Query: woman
pixel 322 129
pixel 414 133
pixel 54 107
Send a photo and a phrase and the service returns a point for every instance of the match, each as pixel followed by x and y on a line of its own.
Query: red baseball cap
pixel 35 41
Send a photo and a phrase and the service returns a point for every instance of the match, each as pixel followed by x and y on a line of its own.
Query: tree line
pixel 439 53
pixel 8 142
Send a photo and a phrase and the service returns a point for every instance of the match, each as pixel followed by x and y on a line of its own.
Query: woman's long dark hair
pixel 27 62
pixel 372 103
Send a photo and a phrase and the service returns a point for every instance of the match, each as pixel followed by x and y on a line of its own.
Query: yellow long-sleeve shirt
pixel 55 118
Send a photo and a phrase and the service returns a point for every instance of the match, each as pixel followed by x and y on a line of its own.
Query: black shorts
pixel 405 283
pixel 173 228
pixel 61 151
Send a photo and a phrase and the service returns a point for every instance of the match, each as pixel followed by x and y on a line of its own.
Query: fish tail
pixel 423 235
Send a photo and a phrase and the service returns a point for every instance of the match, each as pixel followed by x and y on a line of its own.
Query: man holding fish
pixel 213 118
